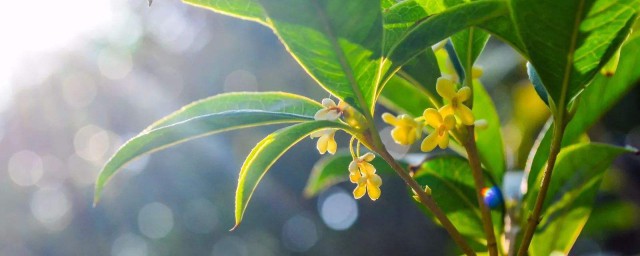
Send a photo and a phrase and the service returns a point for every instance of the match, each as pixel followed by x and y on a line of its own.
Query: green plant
pixel 366 52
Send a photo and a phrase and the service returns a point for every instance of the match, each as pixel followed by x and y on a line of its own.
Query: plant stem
pixel 427 201
pixel 474 160
pixel 476 170
pixel 534 218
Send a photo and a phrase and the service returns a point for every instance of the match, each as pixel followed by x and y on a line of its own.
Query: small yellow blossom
pixel 406 130
pixel 330 111
pixel 326 141
pixel 442 126
pixel 476 72
pixel 363 173
pixel 446 89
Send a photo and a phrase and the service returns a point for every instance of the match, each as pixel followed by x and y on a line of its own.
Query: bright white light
pixel 25 168
pixel 33 28
pixel 50 206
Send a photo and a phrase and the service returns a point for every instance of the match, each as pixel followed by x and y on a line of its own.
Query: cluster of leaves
pixel 379 51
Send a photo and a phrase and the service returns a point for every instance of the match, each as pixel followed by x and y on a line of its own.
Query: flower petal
pixel 432 117
pixel 449 122
pixel 476 72
pixel 368 157
pixel 375 180
pixel 328 103
pixel 322 144
pixel 353 166
pixel 332 146
pixel 430 142
pixel 464 94
pixel 446 88
pixel 373 191
pixel 464 113
pixel 367 168
pixel 321 114
pixel 389 118
pixel 332 115
pixel 359 191
pixel 443 141
pixel 447 110
pixel 355 177
pixel 400 136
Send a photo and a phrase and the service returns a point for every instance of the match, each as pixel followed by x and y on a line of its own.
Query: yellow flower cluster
pixel 331 112
pixel 407 130
pixel 363 173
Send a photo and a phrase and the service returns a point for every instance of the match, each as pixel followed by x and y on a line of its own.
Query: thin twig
pixel 534 218
pixel 428 202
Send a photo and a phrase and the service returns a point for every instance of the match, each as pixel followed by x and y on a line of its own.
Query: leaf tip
pixel 234 227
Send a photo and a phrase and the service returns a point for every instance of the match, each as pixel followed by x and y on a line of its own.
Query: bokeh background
pixel 78 78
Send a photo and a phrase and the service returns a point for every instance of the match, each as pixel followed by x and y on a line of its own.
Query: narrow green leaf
pixel 489 139
pixel 333 169
pixel 592 104
pixel 280 102
pixel 569 41
pixel 243 9
pixel 537 83
pixel 266 153
pixel 576 179
pixel 205 117
pixel 338 42
pixel 452 187
pixel 469 44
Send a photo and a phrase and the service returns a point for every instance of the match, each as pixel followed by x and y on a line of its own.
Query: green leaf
pixel 401 96
pixel 611 217
pixel 243 9
pixel 266 153
pixel 334 169
pixel 423 72
pixel 280 102
pixel 339 43
pixel 537 83
pixel 452 187
pixel 569 41
pixel 437 27
pixel 576 179
pixel 469 44
pixel 488 140
pixel 205 117
pixel 592 104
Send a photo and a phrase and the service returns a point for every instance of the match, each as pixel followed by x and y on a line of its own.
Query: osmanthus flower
pixel 363 173
pixel 330 111
pixel 446 88
pixel 326 142
pixel 406 129
pixel 442 126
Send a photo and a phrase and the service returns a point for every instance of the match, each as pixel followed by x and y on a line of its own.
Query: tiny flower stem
pixel 427 201
pixel 534 218
pixel 476 170
pixel 353 155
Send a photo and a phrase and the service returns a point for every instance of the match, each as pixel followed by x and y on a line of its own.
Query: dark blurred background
pixel 79 78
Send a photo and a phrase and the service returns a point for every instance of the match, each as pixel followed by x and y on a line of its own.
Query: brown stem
pixel 428 202
pixel 476 170
pixel 534 218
